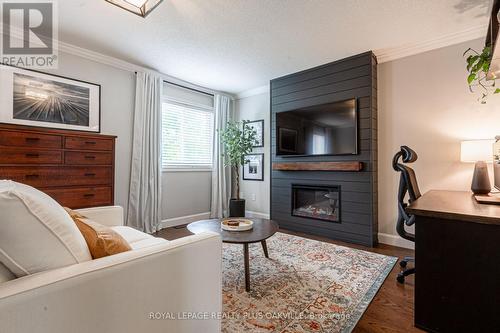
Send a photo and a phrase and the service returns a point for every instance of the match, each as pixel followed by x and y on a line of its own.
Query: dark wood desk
pixel 457 256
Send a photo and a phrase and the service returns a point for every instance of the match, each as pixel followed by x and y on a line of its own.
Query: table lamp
pixel 479 152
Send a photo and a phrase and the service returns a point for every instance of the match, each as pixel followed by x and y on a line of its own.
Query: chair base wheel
pixel 401 278
pixel 403 263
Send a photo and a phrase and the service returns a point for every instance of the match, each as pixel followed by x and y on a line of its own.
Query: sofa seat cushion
pixel 36 233
pixel 131 235
pixel 147 243
pixel 137 239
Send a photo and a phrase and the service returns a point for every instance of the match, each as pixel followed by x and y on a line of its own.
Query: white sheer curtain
pixel 221 175
pixel 144 206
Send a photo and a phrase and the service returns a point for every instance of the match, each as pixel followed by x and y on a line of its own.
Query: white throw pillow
pixel 36 233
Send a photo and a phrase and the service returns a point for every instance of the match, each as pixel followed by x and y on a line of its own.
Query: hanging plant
pixel 478 65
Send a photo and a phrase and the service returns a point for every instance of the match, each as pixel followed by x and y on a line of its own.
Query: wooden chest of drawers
pixel 75 168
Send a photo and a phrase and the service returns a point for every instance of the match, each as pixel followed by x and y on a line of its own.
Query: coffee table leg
pixel 264 247
pixel 247 267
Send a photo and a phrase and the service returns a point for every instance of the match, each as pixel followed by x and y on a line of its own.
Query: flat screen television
pixel 327 129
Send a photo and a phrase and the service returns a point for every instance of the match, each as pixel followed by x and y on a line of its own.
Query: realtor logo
pixel 29 34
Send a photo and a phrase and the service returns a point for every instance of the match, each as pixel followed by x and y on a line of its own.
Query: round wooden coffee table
pixel 262 230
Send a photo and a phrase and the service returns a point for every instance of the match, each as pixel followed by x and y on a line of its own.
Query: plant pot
pixel 237 208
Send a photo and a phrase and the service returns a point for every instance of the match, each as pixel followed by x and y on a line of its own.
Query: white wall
pixel 117 105
pixel 256 108
pixel 184 193
pixel 424 103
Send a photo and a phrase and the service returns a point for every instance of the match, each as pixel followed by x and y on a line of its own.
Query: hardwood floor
pixel 392 308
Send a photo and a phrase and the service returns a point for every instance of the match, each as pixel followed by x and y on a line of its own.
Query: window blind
pixel 187 134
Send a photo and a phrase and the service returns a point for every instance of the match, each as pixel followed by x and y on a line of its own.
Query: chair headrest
pixel 409 155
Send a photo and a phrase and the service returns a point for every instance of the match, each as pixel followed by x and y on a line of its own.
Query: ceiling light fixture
pixel 138 7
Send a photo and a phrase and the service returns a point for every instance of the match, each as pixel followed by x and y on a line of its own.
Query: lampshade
pixel 139 7
pixel 476 150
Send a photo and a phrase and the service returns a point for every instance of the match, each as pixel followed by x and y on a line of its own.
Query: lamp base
pixel 481 180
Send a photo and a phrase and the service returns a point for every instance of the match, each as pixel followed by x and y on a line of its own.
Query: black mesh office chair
pixel 407 185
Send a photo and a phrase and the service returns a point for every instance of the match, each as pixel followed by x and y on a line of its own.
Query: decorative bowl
pixel 236 224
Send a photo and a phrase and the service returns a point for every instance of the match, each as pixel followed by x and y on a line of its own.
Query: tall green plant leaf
pixel 238 139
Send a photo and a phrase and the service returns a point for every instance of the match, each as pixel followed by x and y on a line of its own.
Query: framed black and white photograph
pixel 38 99
pixel 254 167
pixel 258 127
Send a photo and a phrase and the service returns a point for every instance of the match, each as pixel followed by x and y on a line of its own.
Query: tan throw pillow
pixel 101 240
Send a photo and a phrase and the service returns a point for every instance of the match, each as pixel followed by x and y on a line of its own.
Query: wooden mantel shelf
pixel 318 166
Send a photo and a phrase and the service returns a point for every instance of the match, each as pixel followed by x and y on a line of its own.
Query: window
pixel 187 130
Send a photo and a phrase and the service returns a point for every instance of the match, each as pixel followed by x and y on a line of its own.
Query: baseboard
pixel 395 241
pixel 175 221
pixel 259 215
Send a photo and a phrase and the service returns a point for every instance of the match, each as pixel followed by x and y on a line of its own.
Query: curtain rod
pixel 180 85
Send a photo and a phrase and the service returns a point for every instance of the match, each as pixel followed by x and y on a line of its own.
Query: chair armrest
pixel 122 293
pixel 111 216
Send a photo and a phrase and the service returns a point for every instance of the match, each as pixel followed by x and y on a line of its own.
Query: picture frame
pixel 253 169
pixel 33 98
pixel 258 126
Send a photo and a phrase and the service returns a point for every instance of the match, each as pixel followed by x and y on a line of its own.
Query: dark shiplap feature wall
pixel 353 77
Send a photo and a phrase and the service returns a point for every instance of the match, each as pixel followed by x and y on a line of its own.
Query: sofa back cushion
pixel 36 233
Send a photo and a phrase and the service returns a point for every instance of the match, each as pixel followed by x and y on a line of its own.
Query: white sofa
pixel 159 286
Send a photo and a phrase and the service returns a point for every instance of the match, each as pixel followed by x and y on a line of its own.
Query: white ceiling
pixel 236 45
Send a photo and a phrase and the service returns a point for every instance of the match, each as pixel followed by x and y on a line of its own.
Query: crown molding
pixel 128 66
pixel 383 55
pixel 100 58
pixel 390 54
pixel 253 92
pixel 114 62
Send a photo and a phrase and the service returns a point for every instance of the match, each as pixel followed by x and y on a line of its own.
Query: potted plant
pixel 238 139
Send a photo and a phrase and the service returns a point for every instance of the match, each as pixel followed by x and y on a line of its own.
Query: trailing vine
pixel 478 65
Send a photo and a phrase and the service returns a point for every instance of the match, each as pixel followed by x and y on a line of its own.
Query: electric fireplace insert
pixel 316 202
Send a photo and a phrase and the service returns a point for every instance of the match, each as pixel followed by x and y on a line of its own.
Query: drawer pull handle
pixel 90 175
pixel 90 142
pixel 32 176
pixel 89 195
pixel 32 139
pixel 90 157
pixel 33 155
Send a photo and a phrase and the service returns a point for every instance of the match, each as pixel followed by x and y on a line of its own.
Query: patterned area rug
pixel 305 286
